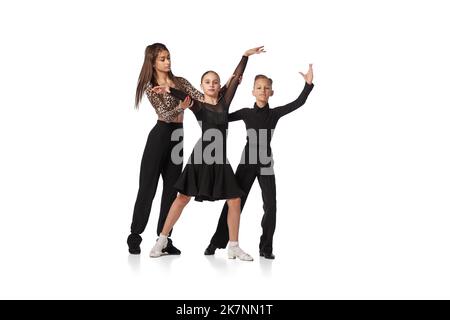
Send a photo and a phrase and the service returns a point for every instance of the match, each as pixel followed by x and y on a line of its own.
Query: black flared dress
pixel 207 174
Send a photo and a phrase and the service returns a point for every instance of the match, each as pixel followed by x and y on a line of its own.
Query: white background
pixel 362 168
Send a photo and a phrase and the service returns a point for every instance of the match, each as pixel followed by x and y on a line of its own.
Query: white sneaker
pixel 236 252
pixel 160 244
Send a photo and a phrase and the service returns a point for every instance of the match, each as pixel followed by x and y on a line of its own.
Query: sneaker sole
pixel 159 255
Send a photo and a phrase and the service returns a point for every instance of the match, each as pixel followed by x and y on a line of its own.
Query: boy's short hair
pixel 261 76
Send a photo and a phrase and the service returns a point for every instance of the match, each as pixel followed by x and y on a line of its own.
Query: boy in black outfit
pixel 257 162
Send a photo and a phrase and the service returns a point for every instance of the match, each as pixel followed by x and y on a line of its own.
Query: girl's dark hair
pixel 209 71
pixel 147 74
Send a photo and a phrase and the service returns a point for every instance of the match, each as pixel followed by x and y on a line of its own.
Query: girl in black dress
pixel 208 175
pixel 156 160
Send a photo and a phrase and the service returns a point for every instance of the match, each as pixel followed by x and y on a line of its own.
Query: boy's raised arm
pixel 297 103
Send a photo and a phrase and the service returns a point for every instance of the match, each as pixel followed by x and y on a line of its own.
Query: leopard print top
pixel 166 106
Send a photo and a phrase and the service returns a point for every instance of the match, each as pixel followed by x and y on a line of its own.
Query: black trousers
pixel 246 175
pixel 157 161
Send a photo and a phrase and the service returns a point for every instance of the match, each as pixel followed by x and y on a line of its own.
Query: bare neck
pixel 163 78
pixel 211 100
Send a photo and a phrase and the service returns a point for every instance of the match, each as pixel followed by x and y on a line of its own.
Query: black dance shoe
pixel 133 241
pixel 267 255
pixel 170 249
pixel 210 250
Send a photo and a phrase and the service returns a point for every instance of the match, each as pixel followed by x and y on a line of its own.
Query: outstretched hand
pixel 256 50
pixel 309 75
pixel 186 103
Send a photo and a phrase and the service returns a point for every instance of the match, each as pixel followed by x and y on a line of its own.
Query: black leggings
pixel 246 175
pixel 157 161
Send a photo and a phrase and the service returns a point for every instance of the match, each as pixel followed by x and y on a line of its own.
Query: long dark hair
pixel 147 74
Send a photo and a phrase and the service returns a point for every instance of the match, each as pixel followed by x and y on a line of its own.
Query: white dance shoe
pixel 236 252
pixel 157 250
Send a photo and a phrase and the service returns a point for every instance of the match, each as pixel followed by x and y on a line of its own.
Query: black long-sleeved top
pixel 226 95
pixel 215 116
pixel 260 123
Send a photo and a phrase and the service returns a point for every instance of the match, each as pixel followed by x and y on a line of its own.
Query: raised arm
pixel 297 103
pixel 294 105
pixel 234 82
pixel 237 74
